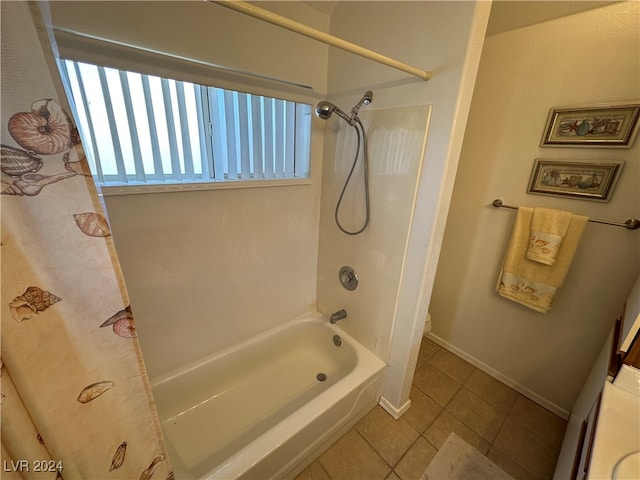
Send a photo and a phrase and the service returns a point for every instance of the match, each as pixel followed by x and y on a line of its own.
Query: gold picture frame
pixel 575 178
pixel 613 125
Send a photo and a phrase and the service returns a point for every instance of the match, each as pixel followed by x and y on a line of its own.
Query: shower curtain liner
pixel 76 401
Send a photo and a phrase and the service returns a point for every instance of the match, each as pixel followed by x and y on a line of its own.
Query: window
pixel 143 129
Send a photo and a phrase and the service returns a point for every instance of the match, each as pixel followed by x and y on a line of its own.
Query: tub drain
pixel 321 377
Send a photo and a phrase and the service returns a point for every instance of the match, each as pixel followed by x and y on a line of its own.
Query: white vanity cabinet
pixel 585 452
pixel 572 461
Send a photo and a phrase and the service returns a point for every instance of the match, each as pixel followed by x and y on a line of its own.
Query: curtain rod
pixel 284 22
pixel 631 224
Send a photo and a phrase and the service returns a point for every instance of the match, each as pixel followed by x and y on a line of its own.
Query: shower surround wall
pixel 396 138
pixel 207 269
pixel 397 256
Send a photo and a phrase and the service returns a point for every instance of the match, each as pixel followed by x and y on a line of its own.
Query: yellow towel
pixel 548 228
pixel 530 283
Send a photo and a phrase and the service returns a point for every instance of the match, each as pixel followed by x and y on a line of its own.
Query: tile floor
pixel 448 394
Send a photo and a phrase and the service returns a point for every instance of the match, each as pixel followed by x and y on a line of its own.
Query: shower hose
pixel 362 139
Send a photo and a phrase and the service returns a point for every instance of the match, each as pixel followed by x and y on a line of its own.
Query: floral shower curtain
pixel 76 401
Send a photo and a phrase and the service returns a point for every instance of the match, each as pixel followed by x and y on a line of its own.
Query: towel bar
pixel 631 224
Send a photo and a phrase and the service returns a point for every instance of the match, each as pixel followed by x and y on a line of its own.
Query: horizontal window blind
pixel 139 129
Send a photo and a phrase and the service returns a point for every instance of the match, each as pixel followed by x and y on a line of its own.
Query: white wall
pixel 396 139
pixel 438 36
pixel 207 269
pixel 209 33
pixel 587 58
pixel 191 299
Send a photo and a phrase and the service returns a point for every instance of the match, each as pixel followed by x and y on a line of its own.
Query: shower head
pixel 325 109
pixel 365 100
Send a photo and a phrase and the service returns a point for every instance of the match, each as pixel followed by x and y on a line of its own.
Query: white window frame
pixel 207 99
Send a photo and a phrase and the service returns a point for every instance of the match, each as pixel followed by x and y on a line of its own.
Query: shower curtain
pixel 75 401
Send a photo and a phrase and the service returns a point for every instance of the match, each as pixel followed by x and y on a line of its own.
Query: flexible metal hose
pixel 362 139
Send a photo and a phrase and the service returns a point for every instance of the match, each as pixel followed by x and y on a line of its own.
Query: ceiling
pixel 509 14
pixel 324 6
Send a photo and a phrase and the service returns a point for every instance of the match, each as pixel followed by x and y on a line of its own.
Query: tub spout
pixel 339 315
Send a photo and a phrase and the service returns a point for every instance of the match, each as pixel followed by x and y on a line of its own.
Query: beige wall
pixel 587 58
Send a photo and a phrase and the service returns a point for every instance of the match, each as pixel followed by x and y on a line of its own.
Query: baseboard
pixel 534 397
pixel 392 410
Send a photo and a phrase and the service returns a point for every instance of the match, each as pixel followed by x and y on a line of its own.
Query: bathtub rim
pixel 368 367
pixel 357 411
pixel 309 317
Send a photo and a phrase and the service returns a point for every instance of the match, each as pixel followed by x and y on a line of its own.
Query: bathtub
pixel 265 408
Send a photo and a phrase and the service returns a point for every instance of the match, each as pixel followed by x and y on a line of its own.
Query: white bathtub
pixel 258 410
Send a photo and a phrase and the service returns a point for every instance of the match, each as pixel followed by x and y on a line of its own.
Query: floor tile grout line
pixel 467 380
pixel 508 411
pixel 460 385
pixel 470 426
pixel 457 357
pixel 443 408
pixel 374 449
pixel 504 420
pixel 324 469
pixel 538 436
pixel 448 401
pixel 435 350
pixel 406 452
pixel 445 373
pixel 513 460
pixel 507 416
pixel 368 443
pixel 491 443
pixel 420 435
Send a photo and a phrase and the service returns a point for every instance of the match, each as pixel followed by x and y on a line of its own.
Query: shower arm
pixel 319 35
pixel 365 100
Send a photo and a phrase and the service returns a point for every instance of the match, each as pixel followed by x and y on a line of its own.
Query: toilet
pixel 427 325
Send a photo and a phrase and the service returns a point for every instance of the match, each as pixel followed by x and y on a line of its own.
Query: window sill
pixel 134 189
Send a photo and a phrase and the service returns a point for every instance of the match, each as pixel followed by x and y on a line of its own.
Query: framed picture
pixel 612 125
pixel 575 179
